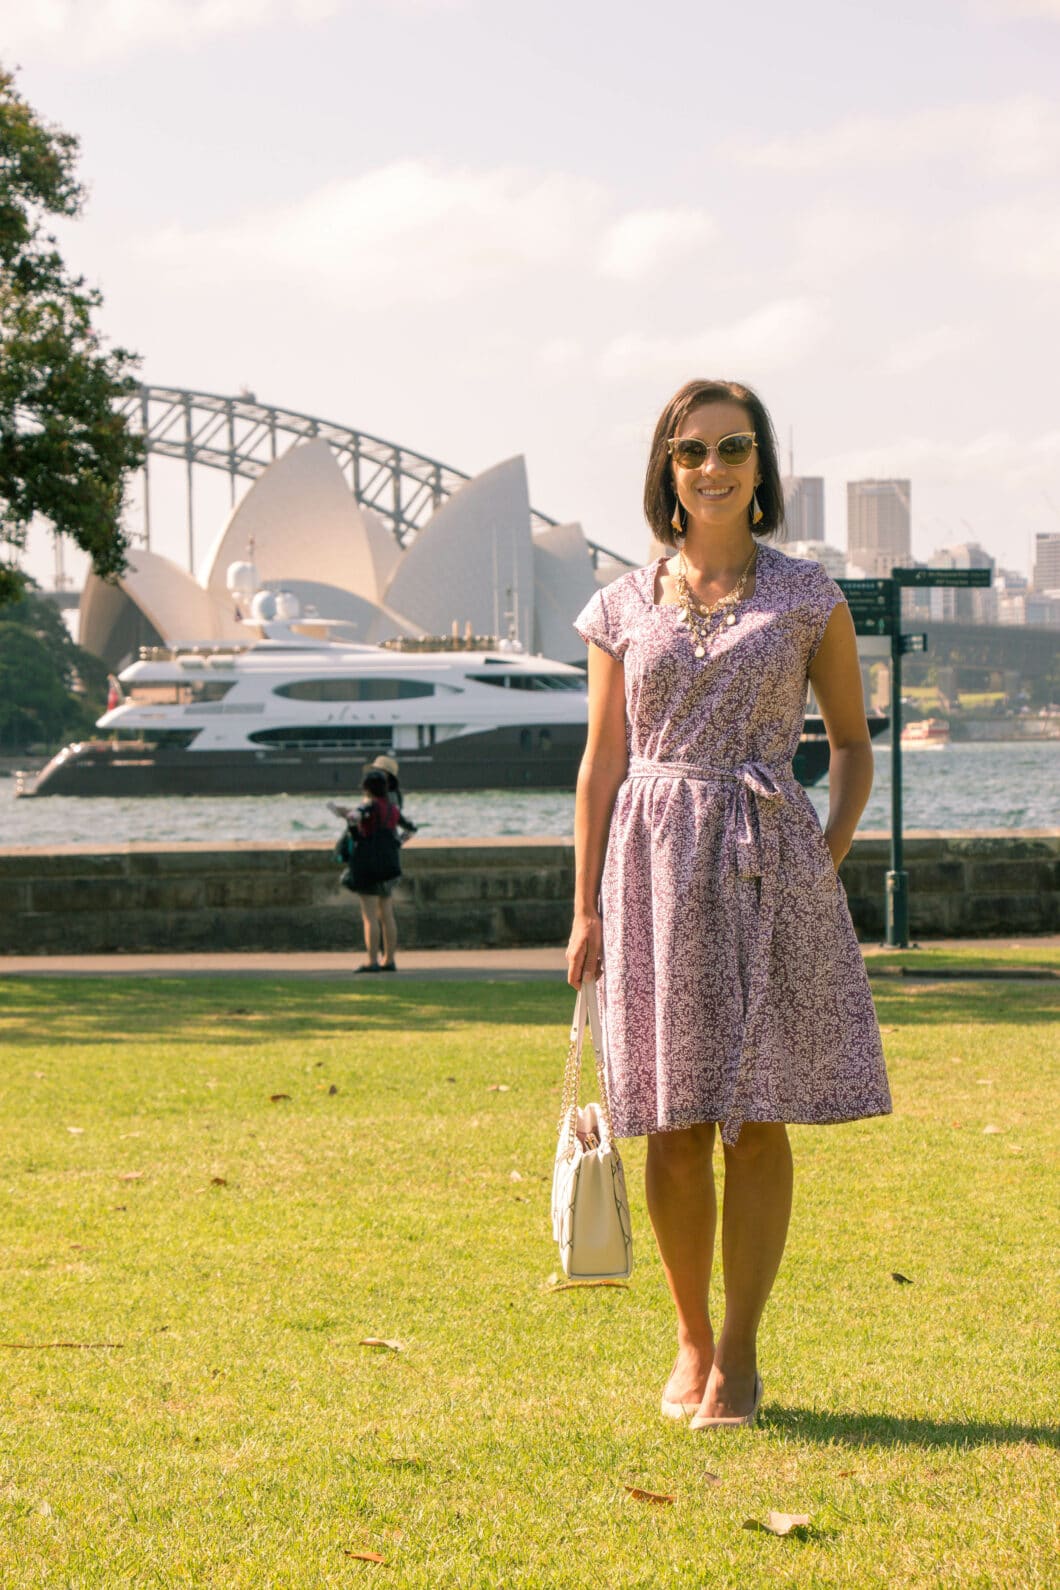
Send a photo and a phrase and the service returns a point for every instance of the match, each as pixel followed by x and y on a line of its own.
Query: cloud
pixel 407 232
pixel 770 337
pixel 1010 138
pixel 918 352
pixel 635 245
pixel 1003 10
pixel 1021 240
pixel 1012 458
pixel 94 30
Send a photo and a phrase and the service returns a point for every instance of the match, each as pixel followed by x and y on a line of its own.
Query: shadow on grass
pixel 881 1430
pixel 245 1010
pixel 248 1010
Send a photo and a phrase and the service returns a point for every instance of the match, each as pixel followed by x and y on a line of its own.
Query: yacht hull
pixel 537 758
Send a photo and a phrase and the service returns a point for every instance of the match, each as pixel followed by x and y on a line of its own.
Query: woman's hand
pixel 585 949
pixel 837 849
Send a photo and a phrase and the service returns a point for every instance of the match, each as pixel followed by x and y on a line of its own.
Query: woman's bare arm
pixel 836 679
pixel 603 767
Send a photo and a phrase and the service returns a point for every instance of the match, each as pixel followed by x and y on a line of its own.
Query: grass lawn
pixel 218 1189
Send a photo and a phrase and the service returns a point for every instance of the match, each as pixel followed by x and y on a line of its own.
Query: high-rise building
pixel 1047 561
pixel 878 526
pixel 803 507
pixel 831 559
pixel 951 603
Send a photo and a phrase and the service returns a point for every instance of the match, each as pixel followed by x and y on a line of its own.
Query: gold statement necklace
pixel 697 618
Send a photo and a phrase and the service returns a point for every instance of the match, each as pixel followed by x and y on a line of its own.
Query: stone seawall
pixel 455 894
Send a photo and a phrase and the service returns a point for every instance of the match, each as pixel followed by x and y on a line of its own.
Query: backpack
pixel 368 859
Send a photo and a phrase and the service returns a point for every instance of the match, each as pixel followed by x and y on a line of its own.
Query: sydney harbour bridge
pixel 241 437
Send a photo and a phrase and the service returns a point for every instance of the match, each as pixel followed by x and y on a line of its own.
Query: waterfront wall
pixel 456 893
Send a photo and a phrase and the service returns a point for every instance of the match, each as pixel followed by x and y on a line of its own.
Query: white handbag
pixel 590 1210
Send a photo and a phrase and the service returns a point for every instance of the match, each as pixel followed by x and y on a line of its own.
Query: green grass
pixel 237 1435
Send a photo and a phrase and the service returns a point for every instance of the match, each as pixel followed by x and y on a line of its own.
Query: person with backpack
pixel 370 851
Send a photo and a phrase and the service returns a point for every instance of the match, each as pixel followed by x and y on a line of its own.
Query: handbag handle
pixel 587 1003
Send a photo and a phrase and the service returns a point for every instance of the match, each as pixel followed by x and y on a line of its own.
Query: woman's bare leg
pixel 754 1228
pixel 370 918
pixel 389 927
pixel 680 1185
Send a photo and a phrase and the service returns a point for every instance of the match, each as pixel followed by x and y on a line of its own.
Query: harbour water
pixel 957 787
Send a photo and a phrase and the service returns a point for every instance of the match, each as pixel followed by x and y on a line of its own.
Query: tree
pixel 65 452
pixel 49 687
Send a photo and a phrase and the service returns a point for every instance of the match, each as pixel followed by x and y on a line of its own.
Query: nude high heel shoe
pixel 732 1421
pixel 678 1410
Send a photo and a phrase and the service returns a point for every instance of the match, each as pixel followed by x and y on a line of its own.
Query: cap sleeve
pixel 599 623
pixel 826 598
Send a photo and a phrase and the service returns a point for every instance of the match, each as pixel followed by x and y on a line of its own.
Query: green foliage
pixel 64 452
pixel 50 688
pixel 228 1184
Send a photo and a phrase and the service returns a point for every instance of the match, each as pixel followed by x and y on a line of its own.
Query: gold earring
pixel 678 527
pixel 756 510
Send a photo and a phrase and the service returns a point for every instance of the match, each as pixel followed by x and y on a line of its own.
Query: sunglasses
pixel 690 453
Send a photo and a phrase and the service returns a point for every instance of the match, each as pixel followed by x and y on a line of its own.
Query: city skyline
pixel 483 232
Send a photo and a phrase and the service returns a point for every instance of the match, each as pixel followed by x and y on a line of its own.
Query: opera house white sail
pixel 476 563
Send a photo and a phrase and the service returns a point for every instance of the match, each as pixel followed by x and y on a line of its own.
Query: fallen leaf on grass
pixel 570 1286
pixel 658 1498
pixel 515 1175
pixel 498 1087
pixel 363 1556
pixel 844 1474
pixel 75 1131
pixel 332 1091
pixel 903 1280
pixel 218 1181
pixel 405 1462
pixel 39 1347
pixel 956 1059
pixel 274 1098
pixel 382 1341
pixel 131 1175
pixel 984 1082
pixel 779 1523
pixel 991 1131
pixel 711 1479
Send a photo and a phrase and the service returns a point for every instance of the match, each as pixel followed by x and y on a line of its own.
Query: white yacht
pixel 294 714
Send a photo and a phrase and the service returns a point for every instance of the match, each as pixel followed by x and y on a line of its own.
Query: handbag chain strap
pixel 586 1004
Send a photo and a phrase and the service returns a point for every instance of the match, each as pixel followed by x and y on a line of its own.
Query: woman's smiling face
pixel 716 492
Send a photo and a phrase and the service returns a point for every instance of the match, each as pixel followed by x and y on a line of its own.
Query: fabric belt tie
pixel 752 806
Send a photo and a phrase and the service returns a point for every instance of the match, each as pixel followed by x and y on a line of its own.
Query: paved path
pixel 518 965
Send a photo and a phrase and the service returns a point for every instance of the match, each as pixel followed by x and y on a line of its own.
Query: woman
pixel 377 909
pixel 376 850
pixel 735 994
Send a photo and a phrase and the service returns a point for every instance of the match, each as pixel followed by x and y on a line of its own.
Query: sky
pixel 480 228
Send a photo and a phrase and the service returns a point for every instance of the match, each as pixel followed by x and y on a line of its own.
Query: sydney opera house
pixel 480 563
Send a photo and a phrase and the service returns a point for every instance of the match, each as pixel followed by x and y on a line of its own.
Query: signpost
pixel 875 607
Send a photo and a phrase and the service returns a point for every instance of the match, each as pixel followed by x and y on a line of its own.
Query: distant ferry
pixel 926 732
pixel 289 715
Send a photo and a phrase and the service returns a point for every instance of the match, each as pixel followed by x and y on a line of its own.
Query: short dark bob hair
pixel 660 498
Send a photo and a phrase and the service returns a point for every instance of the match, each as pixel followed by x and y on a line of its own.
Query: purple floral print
pixel 734 989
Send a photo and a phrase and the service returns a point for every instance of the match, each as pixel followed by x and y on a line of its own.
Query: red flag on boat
pixel 113 693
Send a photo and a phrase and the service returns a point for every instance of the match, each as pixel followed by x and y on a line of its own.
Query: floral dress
pixel 734 989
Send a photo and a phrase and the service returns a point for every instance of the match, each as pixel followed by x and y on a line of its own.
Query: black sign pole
pixel 897 905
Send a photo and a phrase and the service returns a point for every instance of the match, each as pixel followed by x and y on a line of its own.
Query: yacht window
pixel 179 693
pixel 323 736
pixel 363 689
pixel 521 681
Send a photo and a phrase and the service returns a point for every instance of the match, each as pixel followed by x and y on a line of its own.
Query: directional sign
pixel 963 577
pixel 914 643
pixel 873 605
